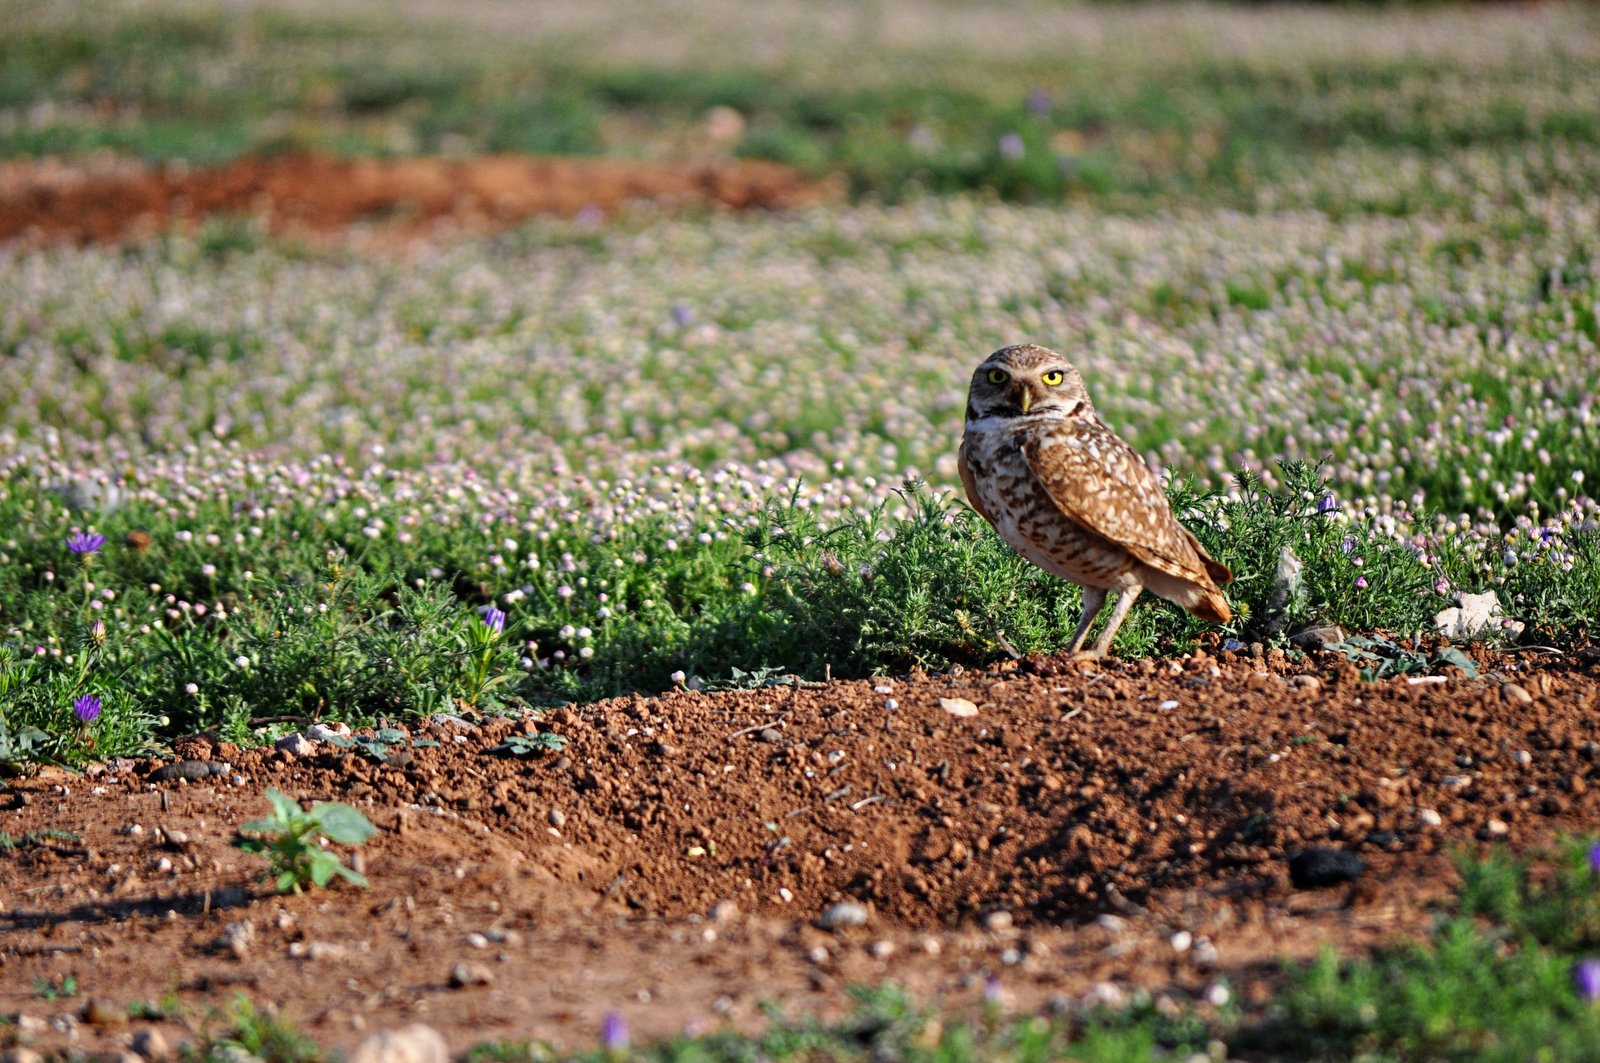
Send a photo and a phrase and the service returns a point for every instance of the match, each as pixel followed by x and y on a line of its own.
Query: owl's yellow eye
pixel 998 376
pixel 1052 378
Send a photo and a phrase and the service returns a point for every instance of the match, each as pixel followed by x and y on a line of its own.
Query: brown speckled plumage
pixel 1069 495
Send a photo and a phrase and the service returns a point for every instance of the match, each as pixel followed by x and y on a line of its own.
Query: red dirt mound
pixel 49 201
pixel 678 860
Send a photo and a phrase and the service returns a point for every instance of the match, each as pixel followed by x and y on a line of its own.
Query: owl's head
pixel 1026 379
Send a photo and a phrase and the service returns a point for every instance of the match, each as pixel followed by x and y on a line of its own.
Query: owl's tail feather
pixel 1213 607
pixel 1218 572
pixel 1200 596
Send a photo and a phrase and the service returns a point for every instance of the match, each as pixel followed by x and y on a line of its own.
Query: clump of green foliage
pixel 288 838
pixel 1495 981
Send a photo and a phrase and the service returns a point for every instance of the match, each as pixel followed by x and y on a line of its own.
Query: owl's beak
pixel 1027 399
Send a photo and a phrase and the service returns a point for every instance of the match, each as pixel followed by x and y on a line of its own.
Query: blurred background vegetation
pixel 1032 100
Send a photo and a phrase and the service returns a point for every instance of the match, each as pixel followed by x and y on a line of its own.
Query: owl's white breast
pixel 1005 484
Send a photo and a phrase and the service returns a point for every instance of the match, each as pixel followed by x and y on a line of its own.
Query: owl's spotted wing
pixel 1101 483
pixel 971 484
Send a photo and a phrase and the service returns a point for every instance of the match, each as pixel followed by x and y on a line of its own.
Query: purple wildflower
pixel 1586 979
pixel 86 707
pixel 495 620
pixel 97 631
pixel 614 1033
pixel 1328 504
pixel 1594 858
pixel 1012 147
pixel 1361 582
pixel 994 993
pixel 682 314
pixel 85 544
pixel 1039 104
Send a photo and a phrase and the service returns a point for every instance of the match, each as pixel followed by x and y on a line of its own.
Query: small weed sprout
pixel 288 839
pixel 531 745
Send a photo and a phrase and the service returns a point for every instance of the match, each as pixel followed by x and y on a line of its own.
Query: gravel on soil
pixel 676 866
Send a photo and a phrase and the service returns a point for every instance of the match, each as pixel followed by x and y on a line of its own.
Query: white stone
pixel 416 1043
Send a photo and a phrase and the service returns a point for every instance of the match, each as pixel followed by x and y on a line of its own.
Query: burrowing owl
pixel 1069 495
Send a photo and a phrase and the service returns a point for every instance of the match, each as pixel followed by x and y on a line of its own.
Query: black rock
pixel 1312 869
pixel 193 770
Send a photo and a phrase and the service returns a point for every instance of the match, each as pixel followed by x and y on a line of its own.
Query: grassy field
pixel 1336 271
pixel 673 445
pixel 1033 100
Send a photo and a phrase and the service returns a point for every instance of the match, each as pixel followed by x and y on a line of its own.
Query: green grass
pixel 205 84
pixel 317 621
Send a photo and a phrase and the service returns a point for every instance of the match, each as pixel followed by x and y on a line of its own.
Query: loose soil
pixel 673 862
pixel 49 201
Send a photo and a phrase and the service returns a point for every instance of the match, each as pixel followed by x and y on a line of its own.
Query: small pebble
pixel 470 974
pixel 1114 923
pixel 1515 694
pixel 237 938
pixel 20 1055
pixel 315 950
pixel 103 1012
pixel 557 818
pixel 1181 941
pixel 1167 705
pixel 1108 995
pixel 1217 994
pixel 1000 919
pixel 151 1043
pixel 1522 758
pixel 1429 818
pixel 477 941
pixel 890 705
pixel 881 950
pixel 818 955
pixel 1011 957
pixel 296 745
pixel 409 1044
pixel 1315 868
pixel 769 735
pixel 1495 828
pixel 844 914
pixel 958 707
pixel 723 911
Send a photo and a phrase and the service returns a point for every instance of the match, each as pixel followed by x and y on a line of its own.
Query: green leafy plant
pixel 1380 658
pixel 531 745
pixel 55 989
pixel 9 842
pixel 288 838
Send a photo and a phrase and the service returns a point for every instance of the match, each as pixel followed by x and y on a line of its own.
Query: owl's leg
pixel 1119 612
pixel 1094 599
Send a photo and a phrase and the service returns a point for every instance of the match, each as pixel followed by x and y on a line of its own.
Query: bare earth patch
pixel 675 861
pixel 49 201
